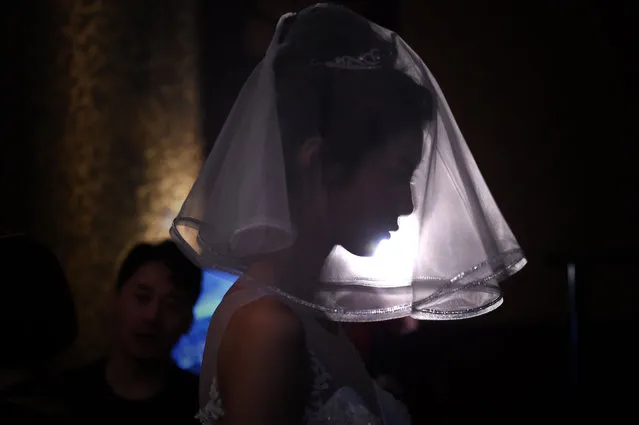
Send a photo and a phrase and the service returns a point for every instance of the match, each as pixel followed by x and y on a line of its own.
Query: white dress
pixel 334 398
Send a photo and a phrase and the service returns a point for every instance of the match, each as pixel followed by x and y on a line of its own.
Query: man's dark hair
pixel 184 274
pixel 37 312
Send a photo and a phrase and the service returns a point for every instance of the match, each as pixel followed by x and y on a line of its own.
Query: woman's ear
pixel 312 156
pixel 311 160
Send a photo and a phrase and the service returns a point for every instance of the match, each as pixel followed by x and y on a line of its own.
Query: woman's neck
pixel 298 267
pixel 294 269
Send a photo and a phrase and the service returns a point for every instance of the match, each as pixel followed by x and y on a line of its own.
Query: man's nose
pixel 152 310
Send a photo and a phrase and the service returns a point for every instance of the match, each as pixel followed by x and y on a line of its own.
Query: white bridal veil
pixel 443 263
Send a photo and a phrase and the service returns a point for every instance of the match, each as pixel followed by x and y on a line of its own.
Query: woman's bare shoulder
pixel 263 363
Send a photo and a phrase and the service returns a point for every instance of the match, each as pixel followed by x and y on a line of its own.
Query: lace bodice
pixel 344 407
pixel 331 400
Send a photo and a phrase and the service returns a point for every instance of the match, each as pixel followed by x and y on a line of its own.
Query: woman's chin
pixel 367 249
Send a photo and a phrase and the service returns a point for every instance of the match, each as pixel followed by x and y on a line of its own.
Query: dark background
pixel 544 94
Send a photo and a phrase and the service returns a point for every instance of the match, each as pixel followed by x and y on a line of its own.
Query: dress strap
pixel 232 302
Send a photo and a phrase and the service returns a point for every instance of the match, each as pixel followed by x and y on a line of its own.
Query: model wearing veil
pixel 340 139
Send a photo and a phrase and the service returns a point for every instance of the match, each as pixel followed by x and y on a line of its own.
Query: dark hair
pixel 37 312
pixel 353 111
pixel 184 274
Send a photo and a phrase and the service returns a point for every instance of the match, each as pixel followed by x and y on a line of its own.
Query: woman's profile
pixel 339 190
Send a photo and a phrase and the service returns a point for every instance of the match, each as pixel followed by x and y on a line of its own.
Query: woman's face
pixel 364 209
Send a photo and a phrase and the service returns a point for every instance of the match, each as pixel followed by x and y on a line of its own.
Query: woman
pixel 339 131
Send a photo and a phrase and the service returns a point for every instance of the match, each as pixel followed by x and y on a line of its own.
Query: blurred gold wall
pixel 113 87
pixel 107 137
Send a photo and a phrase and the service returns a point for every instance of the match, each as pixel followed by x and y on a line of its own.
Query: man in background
pixel 137 382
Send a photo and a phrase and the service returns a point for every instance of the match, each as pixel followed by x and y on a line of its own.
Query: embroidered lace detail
pixel 214 410
pixel 344 407
pixel 394 411
pixel 321 383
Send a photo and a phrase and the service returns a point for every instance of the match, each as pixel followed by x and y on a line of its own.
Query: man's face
pixel 151 313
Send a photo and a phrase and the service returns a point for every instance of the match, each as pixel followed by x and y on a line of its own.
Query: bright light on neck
pixel 391 264
pixel 395 257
